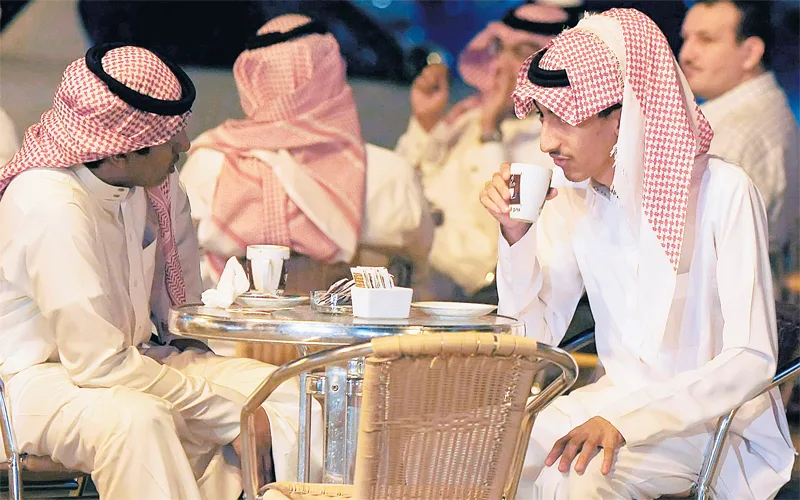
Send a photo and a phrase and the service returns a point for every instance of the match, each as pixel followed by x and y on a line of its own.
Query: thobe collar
pixel 602 190
pixel 100 189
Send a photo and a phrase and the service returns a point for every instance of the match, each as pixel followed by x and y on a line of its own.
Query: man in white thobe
pixel 457 150
pixel 670 245
pixel 296 170
pixel 96 245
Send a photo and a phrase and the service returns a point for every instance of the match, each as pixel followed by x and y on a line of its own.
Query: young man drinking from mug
pixel 670 245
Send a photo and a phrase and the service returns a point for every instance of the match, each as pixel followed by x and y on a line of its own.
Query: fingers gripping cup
pixel 528 185
pixel 266 266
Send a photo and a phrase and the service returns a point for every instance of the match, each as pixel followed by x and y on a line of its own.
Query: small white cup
pixel 267 271
pixel 529 185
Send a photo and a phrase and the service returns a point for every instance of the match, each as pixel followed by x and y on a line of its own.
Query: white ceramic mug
pixel 529 185
pixel 267 270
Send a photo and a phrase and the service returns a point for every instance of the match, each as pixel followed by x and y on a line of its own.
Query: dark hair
pixel 755 20
pixel 607 112
pixel 96 163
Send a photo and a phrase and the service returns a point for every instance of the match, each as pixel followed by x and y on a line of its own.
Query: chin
pixel 575 176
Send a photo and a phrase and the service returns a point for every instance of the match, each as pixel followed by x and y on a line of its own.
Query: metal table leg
pixel 335 451
pixel 341 388
pixel 304 424
pixel 355 377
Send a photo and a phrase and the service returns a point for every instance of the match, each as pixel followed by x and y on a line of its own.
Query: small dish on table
pixel 454 309
pixel 265 301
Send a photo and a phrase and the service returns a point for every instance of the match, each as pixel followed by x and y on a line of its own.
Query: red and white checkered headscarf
pixel 88 122
pixel 296 98
pixel 621 56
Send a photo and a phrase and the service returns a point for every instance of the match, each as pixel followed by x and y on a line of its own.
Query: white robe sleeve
pixel 538 280
pixel 56 260
pixel 749 339
pixel 413 144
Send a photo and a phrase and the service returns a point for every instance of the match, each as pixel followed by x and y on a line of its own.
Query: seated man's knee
pixel 591 484
pixel 135 415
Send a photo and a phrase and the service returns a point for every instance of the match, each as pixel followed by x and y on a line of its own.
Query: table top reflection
pixel 301 325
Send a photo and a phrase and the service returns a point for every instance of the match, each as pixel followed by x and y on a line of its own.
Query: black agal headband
pixel 94 61
pixel 276 37
pixel 549 29
pixel 545 77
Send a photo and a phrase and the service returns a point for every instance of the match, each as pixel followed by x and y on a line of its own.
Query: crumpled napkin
pixel 232 283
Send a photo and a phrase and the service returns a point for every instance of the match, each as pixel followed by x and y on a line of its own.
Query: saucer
pixel 267 301
pixel 454 309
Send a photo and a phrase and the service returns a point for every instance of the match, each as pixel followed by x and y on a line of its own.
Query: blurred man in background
pixel 296 171
pixel 725 57
pixel 458 150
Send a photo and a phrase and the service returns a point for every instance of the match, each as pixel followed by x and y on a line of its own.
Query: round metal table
pixel 341 384
pixel 301 325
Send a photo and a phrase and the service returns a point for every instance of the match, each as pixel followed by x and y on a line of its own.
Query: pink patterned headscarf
pixel 535 23
pixel 621 56
pixel 296 98
pixel 476 62
pixel 89 122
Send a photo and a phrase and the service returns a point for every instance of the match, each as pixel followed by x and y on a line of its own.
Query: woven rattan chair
pixel 444 416
pixel 788 317
pixel 47 473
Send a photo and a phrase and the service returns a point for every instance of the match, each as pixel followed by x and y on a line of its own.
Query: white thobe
pixel 717 351
pixel 80 281
pixel 455 165
pixel 755 129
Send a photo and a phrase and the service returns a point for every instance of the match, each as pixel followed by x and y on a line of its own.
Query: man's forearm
pixel 514 234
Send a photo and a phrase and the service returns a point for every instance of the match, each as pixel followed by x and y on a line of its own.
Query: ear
pixel 752 50
pixel 118 160
pixel 617 120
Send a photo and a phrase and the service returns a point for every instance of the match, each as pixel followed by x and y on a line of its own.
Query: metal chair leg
pixel 14 479
pixel 79 489
pixel 10 445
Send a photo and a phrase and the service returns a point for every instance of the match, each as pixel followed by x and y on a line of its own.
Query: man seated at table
pixel 296 171
pixel 671 247
pixel 96 245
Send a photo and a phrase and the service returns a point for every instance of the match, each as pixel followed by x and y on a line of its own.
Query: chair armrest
pixel 708 471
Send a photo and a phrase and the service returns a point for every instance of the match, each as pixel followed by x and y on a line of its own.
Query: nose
pixel 687 53
pixel 549 140
pixel 180 143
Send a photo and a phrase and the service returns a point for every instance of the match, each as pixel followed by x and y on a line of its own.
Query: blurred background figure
pixel 296 171
pixel 726 59
pixel 457 150
pixel 9 143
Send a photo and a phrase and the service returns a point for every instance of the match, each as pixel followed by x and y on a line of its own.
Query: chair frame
pixel 13 459
pixel 708 471
pixel 545 354
pixel 16 462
